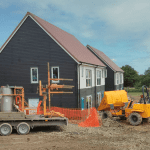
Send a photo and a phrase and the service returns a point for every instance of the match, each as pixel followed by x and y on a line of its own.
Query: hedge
pixel 134 90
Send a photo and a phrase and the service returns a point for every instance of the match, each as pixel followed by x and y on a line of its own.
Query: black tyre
pixel 122 118
pixel 135 119
pixel 5 129
pixel 23 128
pixel 106 114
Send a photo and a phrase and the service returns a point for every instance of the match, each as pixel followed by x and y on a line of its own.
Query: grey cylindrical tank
pixel 6 101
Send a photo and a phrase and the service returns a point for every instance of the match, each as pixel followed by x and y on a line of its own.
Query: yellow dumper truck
pixel 115 103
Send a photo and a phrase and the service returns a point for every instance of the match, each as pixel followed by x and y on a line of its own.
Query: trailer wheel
pixel 135 119
pixel 106 114
pixel 5 129
pixel 23 128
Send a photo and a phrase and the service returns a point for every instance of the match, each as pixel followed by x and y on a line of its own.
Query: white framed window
pixel 88 78
pixel 120 78
pixel 117 78
pixel 105 73
pixel 55 74
pixel 102 73
pixel 33 102
pixel 98 77
pixel 89 101
pixel 82 71
pixel 99 98
pixel 34 75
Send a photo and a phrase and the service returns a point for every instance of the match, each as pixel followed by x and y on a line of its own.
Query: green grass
pixel 135 93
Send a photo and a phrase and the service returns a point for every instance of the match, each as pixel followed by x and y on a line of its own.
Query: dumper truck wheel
pixel 135 119
pixel 5 129
pixel 23 128
pixel 106 114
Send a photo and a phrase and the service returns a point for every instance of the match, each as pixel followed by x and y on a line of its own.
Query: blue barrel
pixel 82 103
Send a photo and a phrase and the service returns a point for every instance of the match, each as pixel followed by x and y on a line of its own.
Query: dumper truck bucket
pixel 113 99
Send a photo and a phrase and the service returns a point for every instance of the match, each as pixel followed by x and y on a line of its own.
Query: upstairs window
pixel 117 78
pixel 88 78
pixel 98 77
pixel 82 71
pixel 34 75
pixel 105 73
pixel 120 78
pixel 102 73
pixel 55 74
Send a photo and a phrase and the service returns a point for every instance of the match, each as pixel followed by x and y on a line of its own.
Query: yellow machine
pixel 115 103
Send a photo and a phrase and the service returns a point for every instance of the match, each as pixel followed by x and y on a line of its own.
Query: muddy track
pixel 112 135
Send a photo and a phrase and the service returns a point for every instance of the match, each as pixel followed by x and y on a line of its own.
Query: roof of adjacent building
pixel 69 42
pixel 105 58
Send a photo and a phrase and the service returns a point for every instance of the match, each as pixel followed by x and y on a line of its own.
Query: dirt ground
pixel 112 135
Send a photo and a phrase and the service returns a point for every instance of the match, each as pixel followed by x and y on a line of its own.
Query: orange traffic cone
pixel 92 120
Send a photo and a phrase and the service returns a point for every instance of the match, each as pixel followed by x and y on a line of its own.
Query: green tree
pixel 145 79
pixel 131 76
pixel 147 72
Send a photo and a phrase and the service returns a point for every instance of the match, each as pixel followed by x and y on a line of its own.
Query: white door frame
pixel 87 97
pixel 99 94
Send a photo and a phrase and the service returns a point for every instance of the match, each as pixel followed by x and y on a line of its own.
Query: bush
pixel 137 85
pixel 134 90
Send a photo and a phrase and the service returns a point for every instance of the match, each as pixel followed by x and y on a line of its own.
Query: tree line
pixel 133 79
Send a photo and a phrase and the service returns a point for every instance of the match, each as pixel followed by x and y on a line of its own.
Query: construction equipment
pixel 14 108
pixel 144 98
pixel 115 103
pixel 50 87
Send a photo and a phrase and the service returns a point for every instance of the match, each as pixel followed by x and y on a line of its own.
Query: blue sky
pixel 121 29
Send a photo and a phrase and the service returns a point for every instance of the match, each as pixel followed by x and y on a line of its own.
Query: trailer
pixel 23 123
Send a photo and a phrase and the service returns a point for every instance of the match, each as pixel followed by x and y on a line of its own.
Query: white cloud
pixel 113 59
pixel 88 34
pixel 4 4
pixel 141 64
pixel 122 19
pixel 108 21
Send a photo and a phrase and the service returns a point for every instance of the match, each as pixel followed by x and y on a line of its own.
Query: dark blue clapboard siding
pixel 32 47
pixel 109 81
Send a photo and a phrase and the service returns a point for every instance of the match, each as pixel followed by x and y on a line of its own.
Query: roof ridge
pixel 68 42
pixel 29 13
pixel 113 66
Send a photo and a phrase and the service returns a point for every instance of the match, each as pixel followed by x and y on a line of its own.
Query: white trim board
pixel 91 65
pixel 3 46
pixel 52 74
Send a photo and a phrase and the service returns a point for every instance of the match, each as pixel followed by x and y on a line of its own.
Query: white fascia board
pixel 95 66
pixel 56 41
pixel 13 33
pixel 99 57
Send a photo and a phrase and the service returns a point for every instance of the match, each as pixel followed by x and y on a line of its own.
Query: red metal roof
pixel 106 59
pixel 67 41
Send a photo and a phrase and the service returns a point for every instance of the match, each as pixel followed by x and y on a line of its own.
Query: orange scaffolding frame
pixel 50 87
